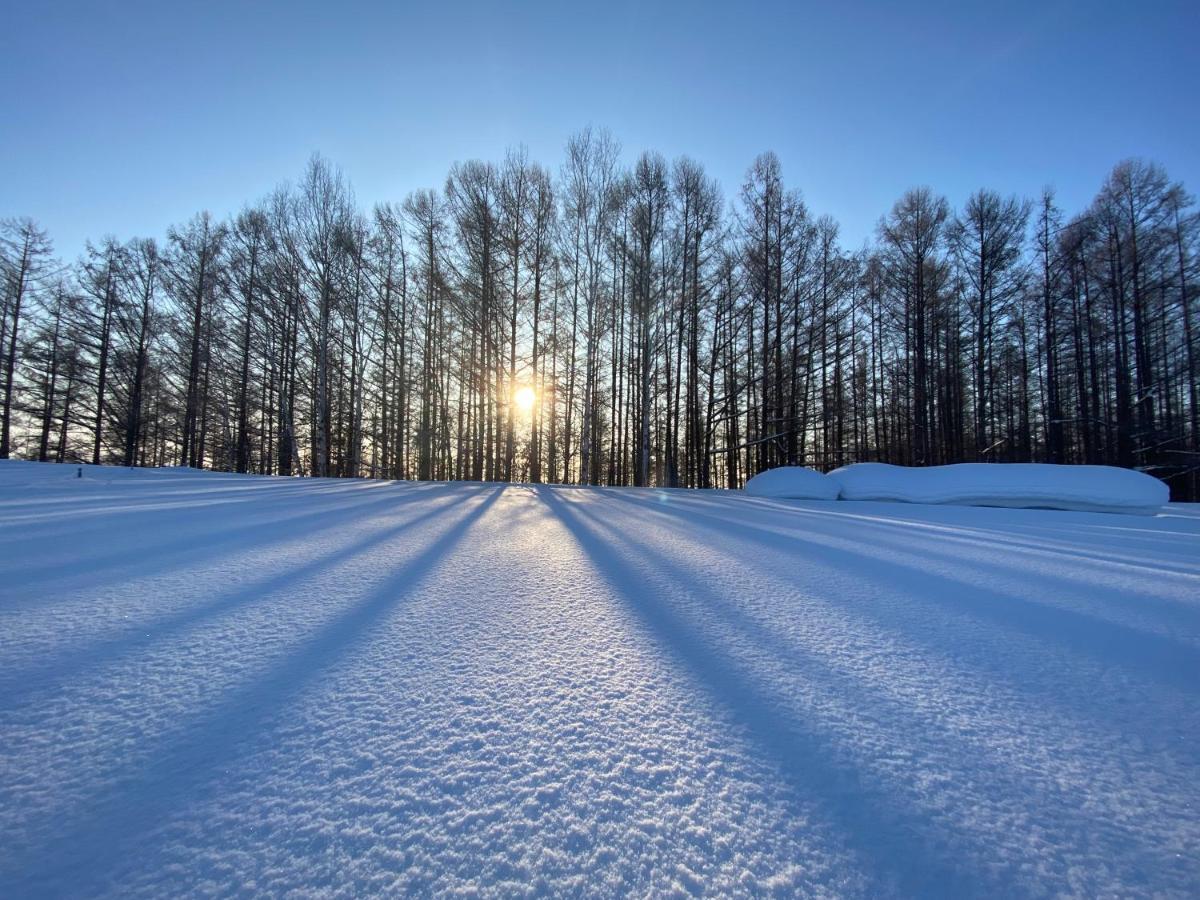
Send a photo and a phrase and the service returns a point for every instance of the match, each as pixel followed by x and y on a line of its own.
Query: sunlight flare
pixel 524 397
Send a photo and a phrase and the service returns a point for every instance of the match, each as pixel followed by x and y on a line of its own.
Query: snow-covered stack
pixel 793 483
pixel 1020 485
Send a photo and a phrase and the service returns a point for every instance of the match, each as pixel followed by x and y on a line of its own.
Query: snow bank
pixel 1018 485
pixel 793 483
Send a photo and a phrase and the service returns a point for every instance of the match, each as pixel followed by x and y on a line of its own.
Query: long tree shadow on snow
pixel 94 841
pixel 913 730
pixel 49 674
pixel 76 502
pixel 1158 657
pixel 201 540
pixel 893 855
pixel 1081 574
pixel 1132 839
pixel 1071 534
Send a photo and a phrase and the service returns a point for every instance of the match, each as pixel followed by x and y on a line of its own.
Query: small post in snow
pixel 79 472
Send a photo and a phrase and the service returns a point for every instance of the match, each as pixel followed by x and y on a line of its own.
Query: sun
pixel 524 398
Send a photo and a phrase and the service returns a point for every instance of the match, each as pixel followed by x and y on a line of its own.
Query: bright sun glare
pixel 524 398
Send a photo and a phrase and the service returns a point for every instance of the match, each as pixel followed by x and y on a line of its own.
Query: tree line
pixel 657 333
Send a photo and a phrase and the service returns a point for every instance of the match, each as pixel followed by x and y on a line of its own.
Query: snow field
pixel 227 684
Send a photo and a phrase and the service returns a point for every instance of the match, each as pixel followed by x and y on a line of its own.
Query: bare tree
pixel 24 253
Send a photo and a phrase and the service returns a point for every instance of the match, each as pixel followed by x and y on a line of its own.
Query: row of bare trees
pixel 669 337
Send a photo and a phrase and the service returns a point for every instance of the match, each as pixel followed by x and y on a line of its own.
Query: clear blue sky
pixel 125 117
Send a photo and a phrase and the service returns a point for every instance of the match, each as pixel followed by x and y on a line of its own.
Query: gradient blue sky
pixel 122 117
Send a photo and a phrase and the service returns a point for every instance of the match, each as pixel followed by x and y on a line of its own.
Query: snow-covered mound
pixel 793 483
pixel 1016 485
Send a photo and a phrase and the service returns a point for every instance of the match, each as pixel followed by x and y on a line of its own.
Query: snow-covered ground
pixel 217 684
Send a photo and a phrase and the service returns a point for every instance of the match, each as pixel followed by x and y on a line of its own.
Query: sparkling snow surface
pixel 214 684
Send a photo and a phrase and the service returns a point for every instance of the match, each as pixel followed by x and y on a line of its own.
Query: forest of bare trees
pixel 669 335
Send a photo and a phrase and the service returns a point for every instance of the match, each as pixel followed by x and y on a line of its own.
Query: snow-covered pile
pixel 219 685
pixel 793 483
pixel 1017 485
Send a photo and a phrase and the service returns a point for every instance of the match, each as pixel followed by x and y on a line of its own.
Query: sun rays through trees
pixel 612 323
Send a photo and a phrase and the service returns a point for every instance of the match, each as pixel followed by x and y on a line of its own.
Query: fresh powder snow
pixel 221 684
